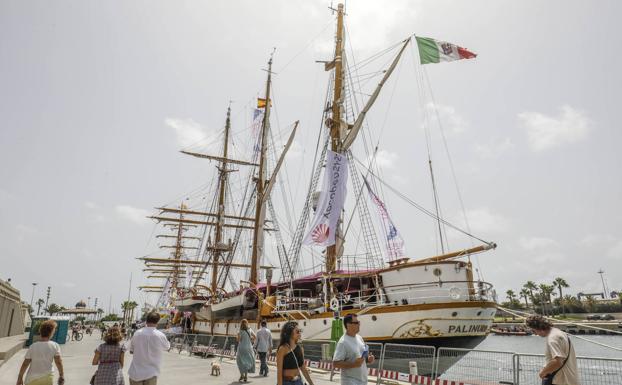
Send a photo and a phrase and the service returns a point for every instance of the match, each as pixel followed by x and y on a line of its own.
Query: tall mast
pixel 178 247
pixel 260 212
pixel 222 195
pixel 335 128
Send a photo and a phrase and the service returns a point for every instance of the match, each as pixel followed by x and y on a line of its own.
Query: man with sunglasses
pixel 351 354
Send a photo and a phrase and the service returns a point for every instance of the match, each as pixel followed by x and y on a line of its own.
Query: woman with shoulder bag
pixel 109 358
pixel 290 357
pixel 245 357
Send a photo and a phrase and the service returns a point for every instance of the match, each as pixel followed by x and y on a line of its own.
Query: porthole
pixel 479 313
pixel 437 272
pixel 374 318
pixel 324 322
pixel 278 325
pixel 454 314
pixel 304 323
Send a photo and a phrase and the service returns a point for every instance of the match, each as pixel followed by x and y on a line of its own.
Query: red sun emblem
pixel 320 233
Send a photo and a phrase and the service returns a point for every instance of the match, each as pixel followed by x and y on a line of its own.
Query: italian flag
pixel 436 51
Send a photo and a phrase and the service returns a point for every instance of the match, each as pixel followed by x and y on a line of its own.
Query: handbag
pixel 548 379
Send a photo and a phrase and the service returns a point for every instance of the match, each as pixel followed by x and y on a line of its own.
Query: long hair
pixel 244 324
pixel 286 332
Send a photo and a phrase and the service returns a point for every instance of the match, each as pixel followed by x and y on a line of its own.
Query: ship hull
pixel 441 324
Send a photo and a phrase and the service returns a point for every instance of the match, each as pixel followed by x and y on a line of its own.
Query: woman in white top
pixel 40 357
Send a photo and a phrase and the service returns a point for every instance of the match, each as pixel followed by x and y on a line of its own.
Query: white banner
pixel 165 297
pixel 330 202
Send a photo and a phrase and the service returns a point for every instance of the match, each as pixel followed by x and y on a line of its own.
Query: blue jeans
pixel 263 366
pixel 297 382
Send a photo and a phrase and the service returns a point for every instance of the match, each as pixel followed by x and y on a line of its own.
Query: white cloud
pixel 452 122
pixel 534 243
pixel 384 159
pixel 133 214
pixel 545 132
pixel 188 131
pixel 482 221
pixel 493 149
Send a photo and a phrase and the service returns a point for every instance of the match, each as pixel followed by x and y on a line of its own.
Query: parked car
pixel 607 317
pixel 593 317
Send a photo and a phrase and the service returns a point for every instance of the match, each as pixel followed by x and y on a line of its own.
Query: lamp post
pixel 32 297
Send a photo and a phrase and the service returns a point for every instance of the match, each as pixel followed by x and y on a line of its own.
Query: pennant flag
pixel 330 203
pixel 261 103
pixel 395 243
pixel 436 51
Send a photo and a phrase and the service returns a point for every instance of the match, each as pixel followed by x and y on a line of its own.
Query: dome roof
pixel 81 304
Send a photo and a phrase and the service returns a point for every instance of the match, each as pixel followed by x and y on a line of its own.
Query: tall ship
pixel 237 254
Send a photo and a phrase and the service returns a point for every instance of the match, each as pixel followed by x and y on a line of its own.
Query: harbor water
pixel 535 345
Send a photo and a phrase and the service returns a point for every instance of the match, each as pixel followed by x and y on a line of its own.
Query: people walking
pixel 245 357
pixel 146 346
pixel 290 357
pixel 40 358
pixel 109 359
pixel 351 353
pixel 264 347
pixel 561 362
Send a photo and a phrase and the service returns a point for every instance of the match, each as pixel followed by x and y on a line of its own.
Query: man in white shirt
pixel 264 347
pixel 561 361
pixel 351 354
pixel 147 345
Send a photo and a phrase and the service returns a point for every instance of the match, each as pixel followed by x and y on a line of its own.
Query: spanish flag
pixel 261 103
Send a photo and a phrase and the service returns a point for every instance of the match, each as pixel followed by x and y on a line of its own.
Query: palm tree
pixel 545 292
pixel 531 287
pixel 590 303
pixel 100 311
pixel 561 283
pixel 524 293
pixel 511 295
pixel 128 310
pixel 53 309
pixel 40 302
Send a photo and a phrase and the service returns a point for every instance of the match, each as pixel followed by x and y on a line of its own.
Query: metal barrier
pixel 400 358
pixel 592 371
pixel 418 364
pixel 475 366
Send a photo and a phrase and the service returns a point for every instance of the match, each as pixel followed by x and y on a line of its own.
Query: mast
pixel 222 195
pixel 332 252
pixel 260 212
pixel 178 247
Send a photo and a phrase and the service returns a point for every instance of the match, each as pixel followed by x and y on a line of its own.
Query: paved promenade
pixel 177 369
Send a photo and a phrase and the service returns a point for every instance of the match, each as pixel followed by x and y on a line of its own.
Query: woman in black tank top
pixel 290 357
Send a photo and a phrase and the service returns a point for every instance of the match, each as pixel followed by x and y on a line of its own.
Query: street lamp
pixel 32 297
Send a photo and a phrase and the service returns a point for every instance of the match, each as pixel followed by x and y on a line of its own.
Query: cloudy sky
pixel 96 99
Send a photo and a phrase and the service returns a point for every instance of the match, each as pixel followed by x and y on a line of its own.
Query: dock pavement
pixel 177 368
